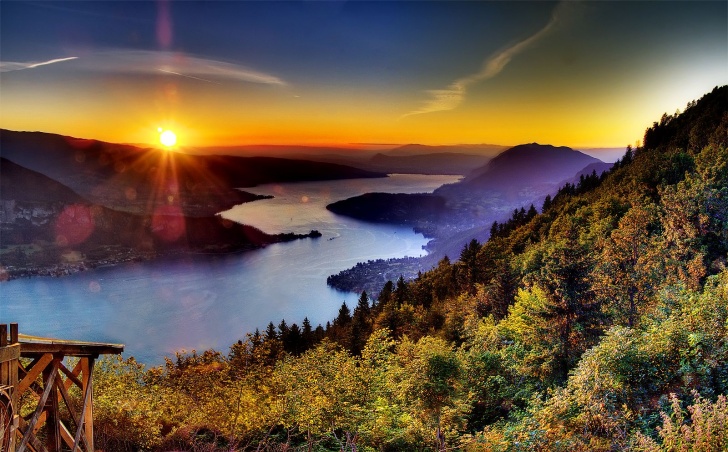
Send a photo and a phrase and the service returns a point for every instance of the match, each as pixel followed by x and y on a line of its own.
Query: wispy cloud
pixel 175 63
pixel 451 96
pixel 8 66
pixel 155 62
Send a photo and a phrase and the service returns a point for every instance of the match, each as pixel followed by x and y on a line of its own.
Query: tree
pixel 629 268
pixel 293 342
pixel 469 271
pixel 344 316
pixel 307 334
pixel 429 380
pixel 319 391
pixel 546 203
pixel 401 293
pixel 270 332
pixel 564 279
pixel 360 325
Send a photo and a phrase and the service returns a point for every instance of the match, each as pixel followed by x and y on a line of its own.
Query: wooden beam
pixel 3 335
pixel 9 352
pixel 53 434
pixel 66 399
pixel 72 376
pixel 66 435
pixel 34 371
pixel 34 445
pixel 86 421
pixel 38 410
pixel 31 348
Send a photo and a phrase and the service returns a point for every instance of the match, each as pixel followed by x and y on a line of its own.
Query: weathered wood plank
pixel 9 353
pixel 87 425
pixel 66 398
pixel 72 376
pixel 34 371
pixel 66 435
pixel 33 345
pixel 34 445
pixel 38 410
pixel 53 434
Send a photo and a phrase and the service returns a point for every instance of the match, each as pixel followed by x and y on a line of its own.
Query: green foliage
pixel 588 327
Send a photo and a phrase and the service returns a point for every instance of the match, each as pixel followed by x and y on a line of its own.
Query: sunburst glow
pixel 167 138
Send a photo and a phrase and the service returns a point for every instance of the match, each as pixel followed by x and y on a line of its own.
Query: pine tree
pixel 270 332
pixel 360 325
pixel 307 334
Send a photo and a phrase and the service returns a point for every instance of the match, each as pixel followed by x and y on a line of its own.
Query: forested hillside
pixel 599 324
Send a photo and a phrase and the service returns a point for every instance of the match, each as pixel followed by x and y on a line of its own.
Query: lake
pixel 198 302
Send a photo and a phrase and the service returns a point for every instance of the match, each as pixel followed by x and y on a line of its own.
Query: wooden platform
pixel 44 377
pixel 35 345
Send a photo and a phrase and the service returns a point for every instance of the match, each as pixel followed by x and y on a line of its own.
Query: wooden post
pixel 88 422
pixel 13 333
pixel 9 355
pixel 53 434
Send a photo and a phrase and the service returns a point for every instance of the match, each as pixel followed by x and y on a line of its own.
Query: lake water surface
pixel 198 302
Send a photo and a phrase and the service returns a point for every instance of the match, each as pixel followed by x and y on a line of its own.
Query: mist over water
pixel 203 301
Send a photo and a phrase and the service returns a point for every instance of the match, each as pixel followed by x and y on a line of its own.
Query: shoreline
pixel 59 270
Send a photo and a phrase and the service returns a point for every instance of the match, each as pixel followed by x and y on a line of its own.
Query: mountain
pixel 48 229
pixel 432 163
pixel 486 150
pixel 408 159
pixel 457 213
pixel 134 179
pixel 529 164
pixel 394 208
pixel 23 185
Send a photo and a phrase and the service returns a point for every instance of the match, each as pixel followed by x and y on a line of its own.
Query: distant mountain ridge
pixel 486 150
pixel 407 159
pixel 48 229
pixel 520 176
pixel 133 179
pixel 531 163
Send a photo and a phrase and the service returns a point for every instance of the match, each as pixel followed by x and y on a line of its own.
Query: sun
pixel 167 137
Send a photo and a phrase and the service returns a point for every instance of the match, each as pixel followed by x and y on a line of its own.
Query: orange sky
pixel 581 74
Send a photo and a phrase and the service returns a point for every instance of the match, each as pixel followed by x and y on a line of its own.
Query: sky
pixel 585 74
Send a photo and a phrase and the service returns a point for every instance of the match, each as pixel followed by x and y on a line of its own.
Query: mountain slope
pixel 23 185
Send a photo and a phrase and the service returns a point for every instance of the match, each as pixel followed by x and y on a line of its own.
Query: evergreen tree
pixel 546 203
pixel 293 342
pixel 344 316
pixel 270 332
pixel 360 325
pixel 283 331
pixel 307 334
pixel 401 293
